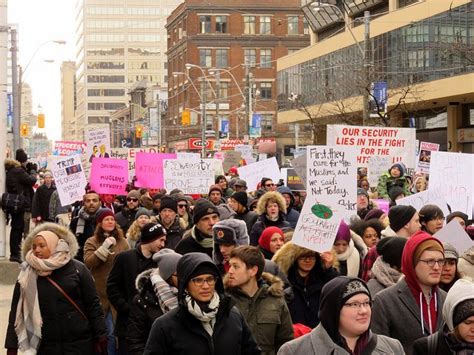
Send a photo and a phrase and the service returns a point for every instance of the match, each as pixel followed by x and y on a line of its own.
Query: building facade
pixel 119 42
pixel 68 102
pixel 421 50
pixel 225 55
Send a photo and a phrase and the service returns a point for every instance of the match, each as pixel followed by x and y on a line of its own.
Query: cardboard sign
pixel 189 175
pixel 109 176
pixel 396 143
pixel 299 164
pixel 452 174
pixel 231 158
pixel 253 173
pixel 331 196
pixel 432 196
pixel 98 142
pixel 424 156
pixel 455 235
pixel 69 178
pixel 149 169
pixel 378 165
pixel 66 148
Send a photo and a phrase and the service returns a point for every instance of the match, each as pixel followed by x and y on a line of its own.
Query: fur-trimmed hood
pixel 142 279
pixel 61 231
pixel 11 163
pixel 274 195
pixel 287 255
pixel 275 284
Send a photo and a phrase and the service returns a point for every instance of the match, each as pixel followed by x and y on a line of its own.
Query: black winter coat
pixel 305 304
pixel 121 284
pixel 263 223
pixel 420 347
pixel 18 180
pixel 125 218
pixel 89 229
pixel 64 330
pixel 189 245
pixel 179 333
pixel 41 200
pixel 173 234
pixel 249 217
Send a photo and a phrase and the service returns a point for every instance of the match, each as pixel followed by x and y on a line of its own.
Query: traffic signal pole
pixel 15 93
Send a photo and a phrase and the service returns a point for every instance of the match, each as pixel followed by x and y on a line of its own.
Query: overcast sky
pixel 40 21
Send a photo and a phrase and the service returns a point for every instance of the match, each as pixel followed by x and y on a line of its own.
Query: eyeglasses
pixel 432 262
pixel 307 257
pixel 182 206
pixel 269 185
pixel 198 281
pixel 132 199
pixel 358 305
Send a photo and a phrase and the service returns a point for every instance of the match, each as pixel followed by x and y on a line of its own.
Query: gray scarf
pixel 83 218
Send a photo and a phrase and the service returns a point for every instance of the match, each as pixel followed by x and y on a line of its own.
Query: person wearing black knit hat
pixel 394 177
pixel 238 202
pixel 345 313
pixel 199 237
pixel 460 217
pixel 168 217
pixel 205 319
pixel 404 222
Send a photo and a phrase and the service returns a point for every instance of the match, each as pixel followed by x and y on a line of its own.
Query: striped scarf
pixel 28 320
pixel 167 295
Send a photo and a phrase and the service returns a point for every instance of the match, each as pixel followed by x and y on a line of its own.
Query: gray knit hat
pixel 450 251
pixel 167 261
pixel 142 211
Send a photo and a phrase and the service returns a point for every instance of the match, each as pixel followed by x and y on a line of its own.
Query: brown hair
pixel 99 232
pixel 251 257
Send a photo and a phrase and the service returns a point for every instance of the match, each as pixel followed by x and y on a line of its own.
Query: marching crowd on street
pixel 162 272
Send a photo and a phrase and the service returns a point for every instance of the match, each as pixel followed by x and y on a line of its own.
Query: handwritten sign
pixel 452 174
pixel 424 156
pixel 455 235
pixel 377 166
pixel 299 164
pixel 189 175
pixel 432 196
pixel 69 178
pixel 130 154
pixel 98 142
pixel 109 176
pixel 396 143
pixel 331 195
pixel 188 155
pixel 253 173
pixel 231 158
pixel 149 169
pixel 66 148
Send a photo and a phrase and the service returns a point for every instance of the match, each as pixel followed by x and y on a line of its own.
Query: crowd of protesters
pixel 162 272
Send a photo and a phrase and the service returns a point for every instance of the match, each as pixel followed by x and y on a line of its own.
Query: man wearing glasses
pixel 205 322
pixel 267 184
pixel 126 217
pixel 411 309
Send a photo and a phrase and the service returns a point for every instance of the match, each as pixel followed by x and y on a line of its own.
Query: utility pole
pixel 218 88
pixel 203 118
pixel 15 93
pixel 249 117
pixel 3 113
pixel 158 113
pixel 248 99
pixel 366 63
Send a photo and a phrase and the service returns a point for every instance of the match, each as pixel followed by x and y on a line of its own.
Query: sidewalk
pixel 6 292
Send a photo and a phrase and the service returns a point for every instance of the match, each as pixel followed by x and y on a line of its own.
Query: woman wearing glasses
pixel 345 312
pixel 431 218
pixel 205 322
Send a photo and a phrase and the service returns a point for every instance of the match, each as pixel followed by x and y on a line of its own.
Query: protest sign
pixel 189 175
pixel 299 164
pixel 98 142
pixel 331 196
pixel 149 169
pixel 218 167
pixel 292 180
pixel 378 165
pixel 455 235
pixel 432 196
pixel 66 148
pixel 452 174
pixel 130 154
pixel 381 204
pixel 69 178
pixel 396 143
pixel 424 157
pixel 244 149
pixel 231 158
pixel 254 172
pixel 187 155
pixel 109 176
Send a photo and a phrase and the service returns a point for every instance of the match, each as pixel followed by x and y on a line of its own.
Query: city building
pixel 215 54
pixel 421 51
pixel 119 43
pixel 68 102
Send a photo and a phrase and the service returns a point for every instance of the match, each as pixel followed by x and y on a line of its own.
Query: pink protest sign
pixel 109 176
pixel 382 204
pixel 149 169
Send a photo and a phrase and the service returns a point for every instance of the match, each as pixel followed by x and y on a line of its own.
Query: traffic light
pixel 186 118
pixel 138 132
pixel 40 120
pixel 24 130
pixel 163 149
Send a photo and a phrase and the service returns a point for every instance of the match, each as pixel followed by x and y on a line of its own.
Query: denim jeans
pixel 109 324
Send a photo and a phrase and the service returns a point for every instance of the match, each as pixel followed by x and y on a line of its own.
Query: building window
pixel 205 58
pixel 293 25
pixel 266 91
pixel 250 57
pixel 221 24
pixel 418 59
pixel 266 123
pixel 306 30
pixel 206 88
pixel 205 24
pixel 223 90
pixel 222 58
pixel 265 25
pixel 265 58
pixel 293 50
pixel 249 25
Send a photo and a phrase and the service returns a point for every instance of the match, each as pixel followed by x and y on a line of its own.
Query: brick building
pixel 210 45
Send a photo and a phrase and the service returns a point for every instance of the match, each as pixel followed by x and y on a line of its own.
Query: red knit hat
pixel 104 212
pixel 266 237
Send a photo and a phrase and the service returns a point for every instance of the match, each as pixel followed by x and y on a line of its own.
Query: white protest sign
pixel 424 156
pixel 253 173
pixel 455 235
pixel 432 196
pixel 189 175
pixel 452 173
pixel 396 143
pixel 377 166
pixel 98 142
pixel 331 196
pixel 69 178
pixel 130 154
pixel 188 155
pixel 218 167
pixel 244 149
pixel 299 164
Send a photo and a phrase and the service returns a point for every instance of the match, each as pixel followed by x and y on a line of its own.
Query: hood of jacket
pixel 142 279
pixel 61 231
pixel 468 255
pixel 286 190
pixel 11 163
pixel 273 195
pixel 461 290
pixel 287 255
pixel 269 283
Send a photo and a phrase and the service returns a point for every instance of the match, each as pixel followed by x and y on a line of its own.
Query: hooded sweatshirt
pixel 461 290
pixel 428 305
